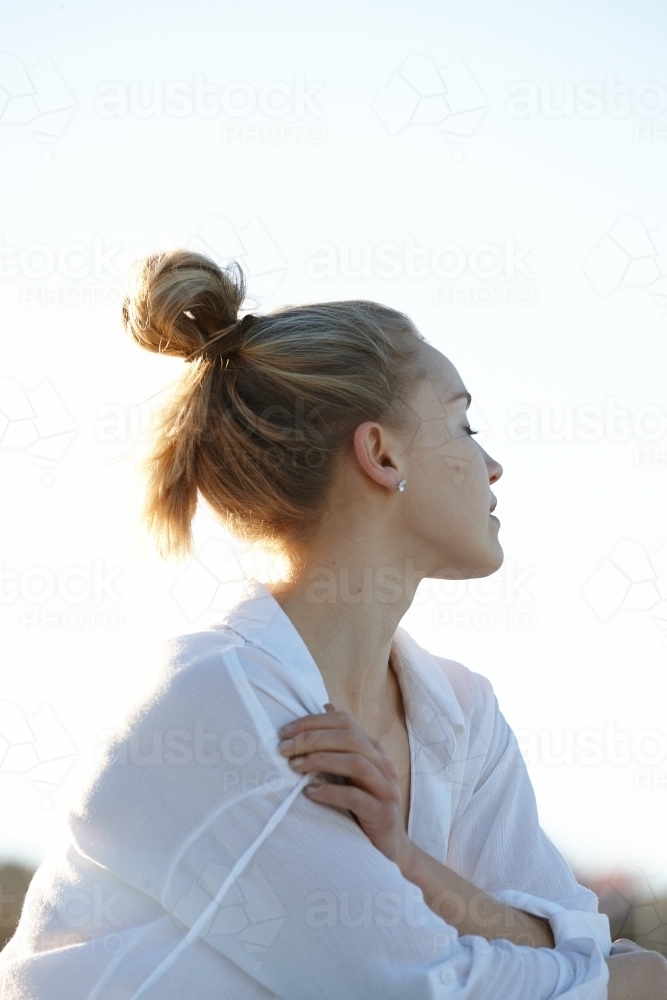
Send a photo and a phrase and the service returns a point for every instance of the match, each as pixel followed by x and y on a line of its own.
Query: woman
pixel 207 856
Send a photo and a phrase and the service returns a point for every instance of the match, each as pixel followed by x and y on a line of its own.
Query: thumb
pixel 329 707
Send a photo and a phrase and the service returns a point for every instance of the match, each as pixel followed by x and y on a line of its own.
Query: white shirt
pixel 196 869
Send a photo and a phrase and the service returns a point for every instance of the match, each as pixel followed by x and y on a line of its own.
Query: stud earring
pixel 400 485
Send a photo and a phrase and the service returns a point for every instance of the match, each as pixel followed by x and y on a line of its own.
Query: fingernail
pixel 296 761
pixel 287 730
pixel 286 746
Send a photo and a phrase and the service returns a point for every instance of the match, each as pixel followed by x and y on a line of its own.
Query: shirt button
pixel 447 977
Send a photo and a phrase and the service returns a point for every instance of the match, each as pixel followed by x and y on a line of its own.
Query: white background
pixel 569 661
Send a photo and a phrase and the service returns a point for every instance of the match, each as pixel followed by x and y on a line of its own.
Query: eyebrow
pixel 463 395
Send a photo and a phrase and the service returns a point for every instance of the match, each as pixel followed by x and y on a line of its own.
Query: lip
pixel 495 504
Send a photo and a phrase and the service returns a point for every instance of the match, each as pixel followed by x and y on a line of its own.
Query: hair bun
pixel 178 300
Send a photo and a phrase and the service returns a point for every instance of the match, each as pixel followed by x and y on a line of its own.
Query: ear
pixel 376 454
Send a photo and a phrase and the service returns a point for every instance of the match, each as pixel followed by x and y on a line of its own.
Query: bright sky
pixel 409 153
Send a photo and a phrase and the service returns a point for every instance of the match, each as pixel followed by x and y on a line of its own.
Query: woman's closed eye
pixel 470 431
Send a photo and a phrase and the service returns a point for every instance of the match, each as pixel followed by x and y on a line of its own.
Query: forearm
pixel 638 976
pixel 468 909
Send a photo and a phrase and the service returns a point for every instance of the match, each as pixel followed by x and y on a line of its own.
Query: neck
pixel 346 607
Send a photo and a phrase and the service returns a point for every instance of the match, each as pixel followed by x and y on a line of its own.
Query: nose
pixel 495 468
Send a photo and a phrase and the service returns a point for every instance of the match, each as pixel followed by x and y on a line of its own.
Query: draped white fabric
pixel 195 868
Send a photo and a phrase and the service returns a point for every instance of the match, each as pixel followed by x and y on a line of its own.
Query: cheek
pixel 431 436
pixel 450 463
pixel 449 484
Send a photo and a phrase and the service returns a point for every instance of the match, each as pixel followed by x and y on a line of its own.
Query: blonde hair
pixel 261 415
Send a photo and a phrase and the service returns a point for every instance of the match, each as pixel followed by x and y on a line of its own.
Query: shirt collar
pixel 432 711
pixel 259 619
pixel 431 707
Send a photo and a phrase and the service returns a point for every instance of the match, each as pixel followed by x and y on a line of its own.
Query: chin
pixel 486 562
pixel 472 567
pixel 500 558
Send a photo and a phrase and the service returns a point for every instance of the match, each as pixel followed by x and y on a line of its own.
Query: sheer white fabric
pixel 195 868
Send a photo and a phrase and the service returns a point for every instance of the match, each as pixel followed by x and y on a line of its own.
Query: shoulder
pixel 488 734
pixel 488 722
pixel 195 689
pixel 192 669
pixel 491 740
pixel 468 701
pixel 177 750
pixel 183 659
pixel 474 692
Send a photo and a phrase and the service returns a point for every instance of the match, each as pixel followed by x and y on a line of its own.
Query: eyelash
pixel 470 431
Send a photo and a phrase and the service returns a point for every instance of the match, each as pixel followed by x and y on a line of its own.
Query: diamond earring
pixel 400 485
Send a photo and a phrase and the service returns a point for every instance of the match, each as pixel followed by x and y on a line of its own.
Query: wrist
pixel 409 861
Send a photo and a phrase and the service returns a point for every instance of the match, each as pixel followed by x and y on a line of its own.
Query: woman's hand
pixel 334 744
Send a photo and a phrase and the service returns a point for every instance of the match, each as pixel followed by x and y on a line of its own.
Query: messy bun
pixel 179 302
pixel 266 404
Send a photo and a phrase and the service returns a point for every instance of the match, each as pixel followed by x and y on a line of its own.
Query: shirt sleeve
pixel 497 843
pixel 216 830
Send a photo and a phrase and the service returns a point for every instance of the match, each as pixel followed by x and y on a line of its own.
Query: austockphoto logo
pixel 630 579
pixel 37 422
pixel 91 911
pixel 115 424
pixel 630 256
pixel 243 758
pixel 35 745
pixel 498 600
pixel 592 746
pixel 72 599
pixel 593 422
pixel 501 269
pixel 35 97
pixel 214 580
pixel 586 98
pixel 634 901
pixel 250 911
pixel 393 908
pixel 501 600
pixel 250 245
pixel 271 112
pixel 119 424
pixel 422 93
pixel 82 272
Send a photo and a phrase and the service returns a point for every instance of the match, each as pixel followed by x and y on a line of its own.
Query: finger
pixel 356 767
pixel 338 741
pixel 345 797
pixel 386 765
pixel 325 720
pixel 330 720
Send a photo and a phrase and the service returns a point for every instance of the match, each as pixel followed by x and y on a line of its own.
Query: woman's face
pixel 446 505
